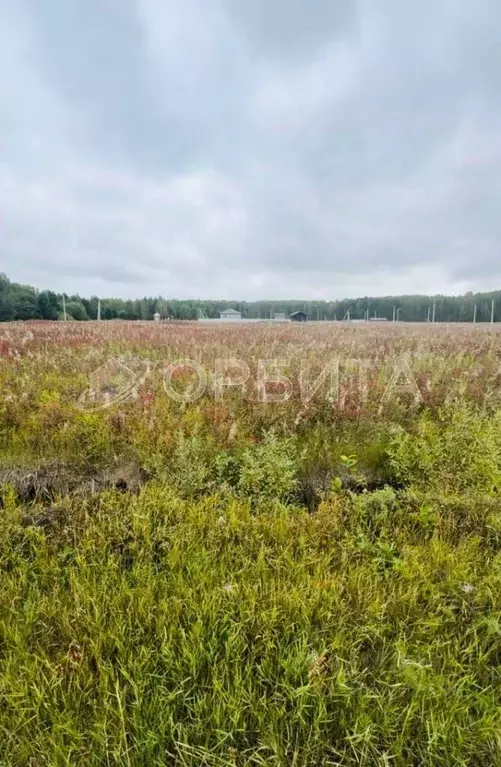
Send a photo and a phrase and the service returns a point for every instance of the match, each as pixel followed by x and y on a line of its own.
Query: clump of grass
pixel 458 452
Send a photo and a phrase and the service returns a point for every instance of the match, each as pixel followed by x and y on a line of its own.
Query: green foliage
pixel 374 512
pixel 153 630
pixel 458 452
pixel 48 305
pixel 265 471
pixel 189 467
pixel 270 469
pixel 24 302
pixel 232 583
pixel 76 310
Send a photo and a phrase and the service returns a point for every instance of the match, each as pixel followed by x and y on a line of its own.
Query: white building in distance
pixel 230 314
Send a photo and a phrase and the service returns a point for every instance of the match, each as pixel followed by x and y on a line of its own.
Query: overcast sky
pixel 251 148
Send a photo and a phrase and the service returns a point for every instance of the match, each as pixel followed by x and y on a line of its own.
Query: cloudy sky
pixel 251 148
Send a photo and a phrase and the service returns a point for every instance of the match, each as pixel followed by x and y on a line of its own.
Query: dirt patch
pixel 47 482
pixel 48 518
pixel 314 484
pixel 129 477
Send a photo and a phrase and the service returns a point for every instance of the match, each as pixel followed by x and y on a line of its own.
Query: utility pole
pixel 492 312
pixel 394 315
pixel 475 314
pixel 434 311
pixel 429 313
pixel 65 316
pixel 98 309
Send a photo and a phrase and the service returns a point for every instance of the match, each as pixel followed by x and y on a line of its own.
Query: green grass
pixel 235 583
pixel 153 630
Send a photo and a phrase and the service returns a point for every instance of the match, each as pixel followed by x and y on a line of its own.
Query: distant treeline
pixel 23 302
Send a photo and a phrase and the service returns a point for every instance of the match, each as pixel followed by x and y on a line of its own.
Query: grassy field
pixel 269 573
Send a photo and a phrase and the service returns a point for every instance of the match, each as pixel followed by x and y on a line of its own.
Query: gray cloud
pixel 244 149
pixel 291 29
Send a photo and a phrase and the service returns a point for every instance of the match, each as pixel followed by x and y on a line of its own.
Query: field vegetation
pixel 246 578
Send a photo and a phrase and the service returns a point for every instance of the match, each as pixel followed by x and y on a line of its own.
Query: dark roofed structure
pixel 299 317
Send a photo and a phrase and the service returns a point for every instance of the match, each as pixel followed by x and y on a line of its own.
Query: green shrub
pixel 189 465
pixel 269 469
pixel 460 451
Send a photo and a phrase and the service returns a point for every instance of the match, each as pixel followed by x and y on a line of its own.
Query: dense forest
pixel 23 302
